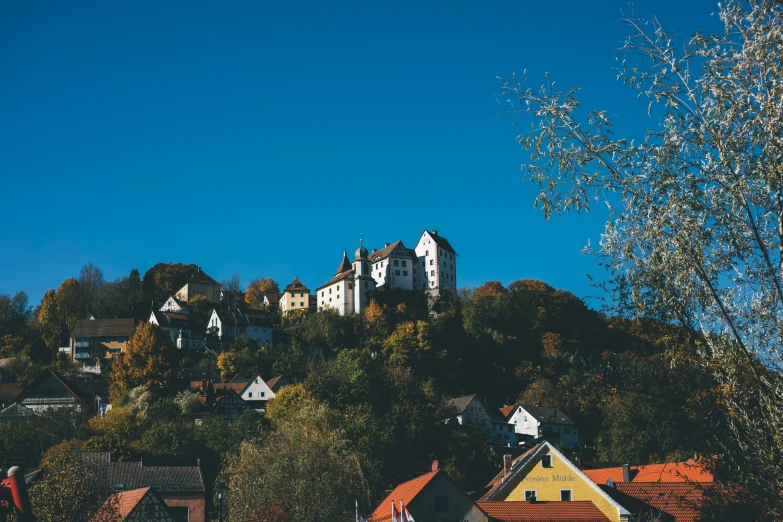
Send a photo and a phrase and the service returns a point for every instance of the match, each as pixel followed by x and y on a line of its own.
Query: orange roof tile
pixel 406 492
pixel 121 503
pixel 688 471
pixel 507 410
pixel 513 511
pixel 683 501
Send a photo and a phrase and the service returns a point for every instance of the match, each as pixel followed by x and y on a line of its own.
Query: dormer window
pixel 546 461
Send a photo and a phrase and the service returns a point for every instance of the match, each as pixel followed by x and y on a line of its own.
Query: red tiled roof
pixel 406 492
pixel 296 286
pixel 121 503
pixel 507 410
pixel 513 511
pixel 683 501
pixel 688 471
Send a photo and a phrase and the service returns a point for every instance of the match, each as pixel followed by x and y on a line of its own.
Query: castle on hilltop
pixel 431 266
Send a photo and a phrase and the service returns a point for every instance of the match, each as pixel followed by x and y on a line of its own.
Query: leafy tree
pixel 150 361
pixel 69 490
pixel 304 471
pixel 165 279
pixel 70 306
pixel 696 205
pixel 226 364
pixel 258 287
pixel 14 314
pixel 200 303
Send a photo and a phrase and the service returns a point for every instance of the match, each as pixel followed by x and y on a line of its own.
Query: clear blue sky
pixel 262 138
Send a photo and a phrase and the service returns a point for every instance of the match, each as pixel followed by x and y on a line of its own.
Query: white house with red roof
pixel 393 266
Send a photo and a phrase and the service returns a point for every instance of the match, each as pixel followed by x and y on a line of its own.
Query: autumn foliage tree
pixel 150 361
pixel 258 287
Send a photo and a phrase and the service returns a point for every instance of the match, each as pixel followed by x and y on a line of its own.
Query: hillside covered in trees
pixel 374 387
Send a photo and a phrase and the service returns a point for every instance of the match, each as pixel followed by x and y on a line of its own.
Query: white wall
pixel 257 390
pixel 338 296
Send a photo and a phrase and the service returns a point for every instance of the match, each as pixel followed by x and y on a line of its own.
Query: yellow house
pixel 100 338
pixel 544 474
pixel 295 298
pixel 200 284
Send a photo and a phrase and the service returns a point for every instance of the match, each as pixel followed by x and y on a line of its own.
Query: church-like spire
pixel 345 264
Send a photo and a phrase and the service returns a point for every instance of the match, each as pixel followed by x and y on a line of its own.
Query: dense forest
pixel 368 393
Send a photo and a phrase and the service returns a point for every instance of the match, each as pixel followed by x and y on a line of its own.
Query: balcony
pixel 82 354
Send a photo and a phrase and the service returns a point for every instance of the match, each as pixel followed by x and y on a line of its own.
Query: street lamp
pixel 221 490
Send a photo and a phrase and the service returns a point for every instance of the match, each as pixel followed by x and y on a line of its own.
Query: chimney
pixel 386 244
pixel 506 464
pixel 435 231
pixel 374 250
pixel 626 473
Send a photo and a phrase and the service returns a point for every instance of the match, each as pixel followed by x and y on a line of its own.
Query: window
pixel 404 263
pixel 350 286
pixel 432 273
pixel 396 262
pixel 432 262
pixel 179 514
pixel 565 495
pixel 174 487
pixel 338 296
pixel 330 290
pixel 426 252
pixel 301 304
pixel 263 394
pixel 157 487
pixel 546 461
pixel 396 272
pixel 120 339
pixel 108 339
pixel 530 494
pixel 119 487
pixel 404 272
pixel 441 503
pixel 323 292
pixel 250 394
pixel 301 294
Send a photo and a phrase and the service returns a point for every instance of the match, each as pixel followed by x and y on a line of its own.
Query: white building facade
pixel 436 263
pixel 393 266
pixel 349 290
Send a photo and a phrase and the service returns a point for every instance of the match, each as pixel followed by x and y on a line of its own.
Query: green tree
pixel 69 490
pixel 696 205
pixel 304 471
pixel 150 361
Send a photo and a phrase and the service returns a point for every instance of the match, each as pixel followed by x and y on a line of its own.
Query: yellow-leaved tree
pixel 258 287
pixel 150 361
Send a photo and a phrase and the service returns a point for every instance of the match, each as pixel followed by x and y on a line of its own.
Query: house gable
pixel 548 482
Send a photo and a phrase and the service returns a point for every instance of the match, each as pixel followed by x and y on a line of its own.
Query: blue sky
pixel 262 138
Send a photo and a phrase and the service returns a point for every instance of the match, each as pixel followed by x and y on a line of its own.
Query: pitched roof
pixel 500 479
pixel 272 297
pixel 461 403
pixel 441 242
pixel 688 471
pixel 103 328
pixel 551 415
pixel 59 382
pixel 201 277
pixel 121 504
pixel 9 391
pixel 296 286
pixel 386 252
pixel 339 277
pixel 138 475
pixel 513 511
pixel 14 411
pixel 682 501
pixel 406 492
pixel 274 381
pixel 507 410
pixel 344 264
